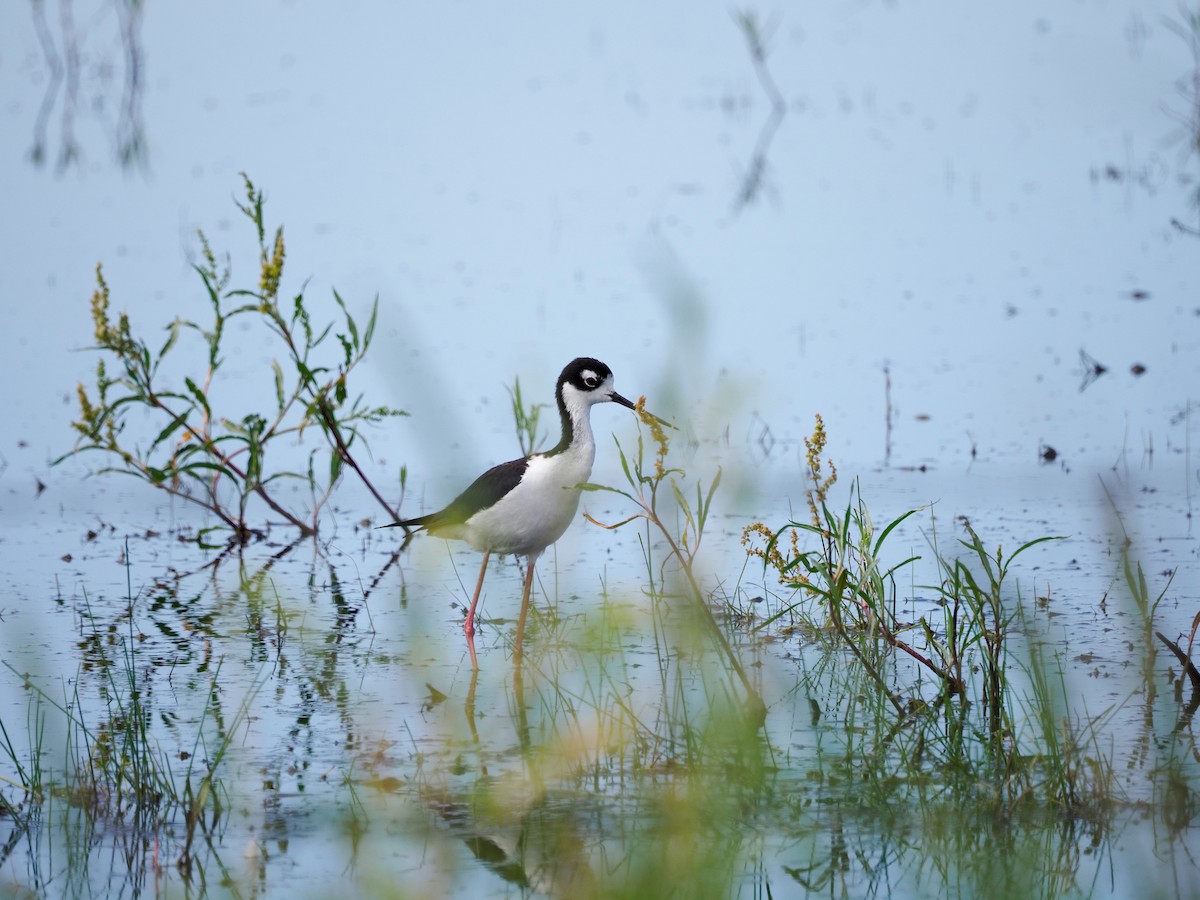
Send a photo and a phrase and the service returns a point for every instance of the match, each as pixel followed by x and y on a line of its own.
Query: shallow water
pixel 364 747
pixel 956 211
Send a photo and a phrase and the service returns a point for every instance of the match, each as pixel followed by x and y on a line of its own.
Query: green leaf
pixel 275 367
pixel 313 342
pixel 349 320
pixel 300 314
pixel 198 395
pixel 712 489
pixel 683 504
pixel 213 295
pixel 624 463
pixel 175 425
pixel 172 337
pixel 879 541
pixel 588 486
pixel 203 533
pixel 370 332
pixel 191 469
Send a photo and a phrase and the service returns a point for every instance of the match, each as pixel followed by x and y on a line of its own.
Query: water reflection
pixel 238 720
pixel 81 79
pixel 757 38
pixel 533 842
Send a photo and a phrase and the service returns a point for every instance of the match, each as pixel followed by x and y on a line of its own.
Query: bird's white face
pixel 596 387
pixel 589 388
pixel 594 390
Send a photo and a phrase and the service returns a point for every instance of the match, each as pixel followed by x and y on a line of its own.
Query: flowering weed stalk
pixel 219 461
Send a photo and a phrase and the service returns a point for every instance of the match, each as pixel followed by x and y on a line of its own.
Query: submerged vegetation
pixel 197 449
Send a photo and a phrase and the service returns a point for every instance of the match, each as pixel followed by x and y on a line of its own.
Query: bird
pixel 524 505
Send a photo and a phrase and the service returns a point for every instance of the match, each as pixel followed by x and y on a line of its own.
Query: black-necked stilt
pixel 523 506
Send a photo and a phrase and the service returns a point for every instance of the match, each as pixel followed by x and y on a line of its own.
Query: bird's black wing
pixel 484 491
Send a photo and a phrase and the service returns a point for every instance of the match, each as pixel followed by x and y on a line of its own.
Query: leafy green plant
pixel 970 722
pixel 858 592
pixel 844 573
pixel 207 455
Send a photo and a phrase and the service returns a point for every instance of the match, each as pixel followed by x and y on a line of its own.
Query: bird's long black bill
pixel 617 398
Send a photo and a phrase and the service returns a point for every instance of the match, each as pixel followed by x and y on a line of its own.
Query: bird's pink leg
pixel 524 608
pixel 469 624
pixel 471 650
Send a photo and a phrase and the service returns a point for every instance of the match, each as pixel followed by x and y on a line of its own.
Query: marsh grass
pixel 117 780
pixel 940 696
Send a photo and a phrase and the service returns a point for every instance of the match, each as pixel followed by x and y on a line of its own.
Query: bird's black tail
pixel 410 525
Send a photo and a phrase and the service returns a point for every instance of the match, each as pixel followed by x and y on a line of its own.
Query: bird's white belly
pixel 533 515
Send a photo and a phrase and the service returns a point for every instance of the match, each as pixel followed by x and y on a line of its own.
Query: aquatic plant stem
pixel 837 591
pixel 757 708
pixel 643 485
pixel 343 448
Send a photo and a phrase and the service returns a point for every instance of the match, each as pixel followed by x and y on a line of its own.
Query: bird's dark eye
pixel 590 380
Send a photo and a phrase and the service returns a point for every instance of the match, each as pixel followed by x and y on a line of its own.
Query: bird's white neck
pixel 575 412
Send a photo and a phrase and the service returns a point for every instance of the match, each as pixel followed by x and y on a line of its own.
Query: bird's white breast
pixel 535 513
